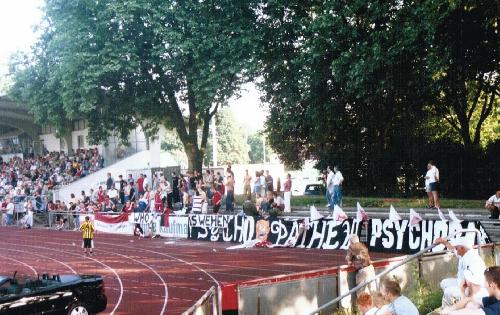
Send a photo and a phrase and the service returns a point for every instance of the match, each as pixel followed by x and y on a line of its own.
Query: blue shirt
pixel 491 306
pixel 403 306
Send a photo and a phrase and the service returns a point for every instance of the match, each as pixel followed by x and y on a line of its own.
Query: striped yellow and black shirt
pixel 88 229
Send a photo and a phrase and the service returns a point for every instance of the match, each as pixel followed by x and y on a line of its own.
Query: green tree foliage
pixel 232 144
pixel 358 83
pixel 124 63
pixel 256 142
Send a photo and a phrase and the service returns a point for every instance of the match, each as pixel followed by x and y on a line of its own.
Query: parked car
pixel 59 294
pixel 314 190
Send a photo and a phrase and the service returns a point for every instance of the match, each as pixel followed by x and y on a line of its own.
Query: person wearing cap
pixel 468 259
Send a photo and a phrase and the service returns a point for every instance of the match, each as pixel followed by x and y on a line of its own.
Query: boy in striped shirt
pixel 88 234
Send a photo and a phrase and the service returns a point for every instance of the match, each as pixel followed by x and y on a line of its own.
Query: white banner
pixel 178 226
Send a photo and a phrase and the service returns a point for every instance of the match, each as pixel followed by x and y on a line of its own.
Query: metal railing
pixel 205 305
pixel 383 273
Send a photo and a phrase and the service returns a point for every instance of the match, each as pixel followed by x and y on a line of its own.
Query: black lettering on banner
pixel 399 237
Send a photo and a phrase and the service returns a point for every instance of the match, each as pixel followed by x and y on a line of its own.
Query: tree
pixel 119 64
pixel 232 146
pixel 256 143
pixel 359 83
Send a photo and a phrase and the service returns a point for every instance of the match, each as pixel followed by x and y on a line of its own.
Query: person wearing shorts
pixel 88 236
pixel 432 185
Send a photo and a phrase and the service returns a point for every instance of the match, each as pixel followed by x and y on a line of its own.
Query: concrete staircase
pixel 492 227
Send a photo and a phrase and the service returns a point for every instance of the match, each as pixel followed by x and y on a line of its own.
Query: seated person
pixel 489 305
pixel 365 304
pixel 493 205
pixel 399 304
pixel 473 289
pixel 278 201
pixel 216 199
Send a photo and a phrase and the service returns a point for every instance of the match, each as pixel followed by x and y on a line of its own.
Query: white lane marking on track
pixel 40 255
pixel 165 300
pixel 97 261
pixel 22 263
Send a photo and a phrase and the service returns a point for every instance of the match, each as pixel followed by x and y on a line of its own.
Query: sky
pixel 18 17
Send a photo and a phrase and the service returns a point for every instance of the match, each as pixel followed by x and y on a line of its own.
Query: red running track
pixel 153 276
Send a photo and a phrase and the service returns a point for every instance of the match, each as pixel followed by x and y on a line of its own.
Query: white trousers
pixel 288 196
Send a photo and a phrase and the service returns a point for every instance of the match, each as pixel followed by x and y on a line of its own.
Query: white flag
pixel 415 218
pixel 361 214
pixel 441 215
pixel 314 214
pixel 393 215
pixel 453 217
pixel 339 214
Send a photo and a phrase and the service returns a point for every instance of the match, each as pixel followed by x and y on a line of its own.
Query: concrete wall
pixel 51 142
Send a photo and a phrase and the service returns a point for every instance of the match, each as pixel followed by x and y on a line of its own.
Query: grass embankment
pixel 374 202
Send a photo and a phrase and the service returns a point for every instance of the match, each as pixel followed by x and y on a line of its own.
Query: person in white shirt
pixel 473 293
pixel 432 185
pixel 329 187
pixel 10 211
pixel 337 181
pixel 493 205
pixel 468 259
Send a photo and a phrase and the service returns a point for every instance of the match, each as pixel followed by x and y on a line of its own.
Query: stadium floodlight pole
pixel 401 263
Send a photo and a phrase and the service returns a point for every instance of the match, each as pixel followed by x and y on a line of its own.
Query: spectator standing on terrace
pixel 262 184
pixel 109 182
pixel 208 181
pixel 399 304
pixel 256 185
pixel 358 257
pixel 338 179
pixel 230 193
pixel 247 189
pixel 216 199
pixel 140 184
pixel 287 188
pixel 432 179
pixel 269 182
pixel 469 259
pixel 130 180
pixel 101 195
pixel 121 191
pixel 493 205
pixel 329 187
pixel 230 171
pixel 175 188
pixel 132 196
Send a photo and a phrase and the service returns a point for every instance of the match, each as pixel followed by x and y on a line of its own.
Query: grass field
pixel 374 202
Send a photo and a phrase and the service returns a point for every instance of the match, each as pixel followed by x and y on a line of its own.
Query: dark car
pixel 64 294
pixel 314 190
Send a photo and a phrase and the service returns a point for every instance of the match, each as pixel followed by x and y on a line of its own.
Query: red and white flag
pixel 113 223
pixel 393 215
pixel 441 215
pixel 339 214
pixel 314 214
pixel 361 214
pixel 415 218
pixel 453 217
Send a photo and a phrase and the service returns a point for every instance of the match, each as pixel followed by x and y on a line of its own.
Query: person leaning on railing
pixel 358 257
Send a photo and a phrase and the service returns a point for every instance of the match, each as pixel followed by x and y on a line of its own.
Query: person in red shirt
pixel 216 199
pixel 140 184
pixel 158 201
pixel 101 195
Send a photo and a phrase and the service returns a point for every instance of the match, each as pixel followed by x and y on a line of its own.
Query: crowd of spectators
pixel 30 181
